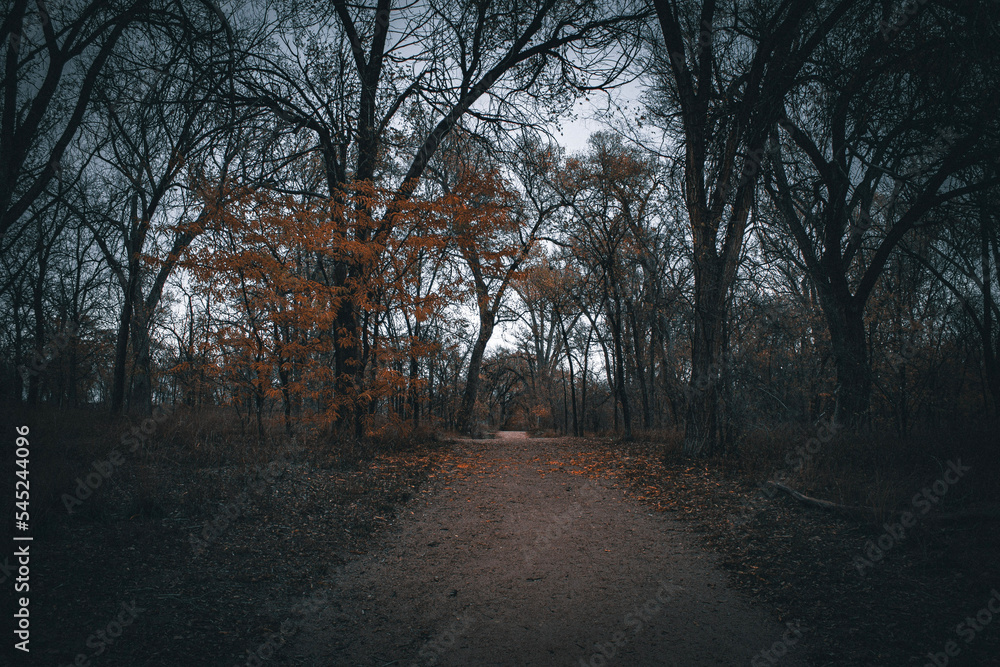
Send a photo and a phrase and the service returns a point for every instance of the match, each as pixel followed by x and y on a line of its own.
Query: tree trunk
pixel 848 342
pixel 121 354
pixel 639 355
pixel 565 428
pixel 283 380
pixel 34 384
pixel 612 385
pixel 620 389
pixel 572 381
pixel 141 394
pixel 20 370
pixel 583 380
pixel 991 349
pixel 72 368
pixel 413 399
pixel 486 324
pixel 701 433
pixel 347 349
pixel 259 414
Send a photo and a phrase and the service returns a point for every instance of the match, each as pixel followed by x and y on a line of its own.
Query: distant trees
pixel 610 194
pixel 545 304
pixel 494 237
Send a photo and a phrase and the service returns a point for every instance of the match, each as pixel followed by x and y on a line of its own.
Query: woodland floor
pixel 511 551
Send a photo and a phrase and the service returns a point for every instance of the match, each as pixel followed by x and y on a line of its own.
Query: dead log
pixel 822 504
pixel 981 513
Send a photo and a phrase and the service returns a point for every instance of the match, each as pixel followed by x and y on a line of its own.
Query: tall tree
pixel 726 69
pixel 894 120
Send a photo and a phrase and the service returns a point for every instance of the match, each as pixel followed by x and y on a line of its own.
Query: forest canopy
pixel 356 219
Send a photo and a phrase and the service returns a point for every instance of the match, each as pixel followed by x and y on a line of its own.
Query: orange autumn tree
pixel 270 260
pixel 403 287
pixel 260 265
pixel 417 283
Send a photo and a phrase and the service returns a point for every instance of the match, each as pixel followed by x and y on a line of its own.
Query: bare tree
pixel 163 145
pixel 54 58
pixel 357 82
pixel 853 177
pixel 610 193
pixel 726 69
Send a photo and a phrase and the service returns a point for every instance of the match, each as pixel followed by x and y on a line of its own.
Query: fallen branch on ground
pixel 818 502
pixel 985 512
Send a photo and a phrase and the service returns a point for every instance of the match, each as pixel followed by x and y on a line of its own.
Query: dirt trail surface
pixel 513 556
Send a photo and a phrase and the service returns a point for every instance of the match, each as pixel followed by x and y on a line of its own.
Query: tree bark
pixel 572 381
pixel 122 340
pixel 701 433
pixel 486 324
pixel 850 351
pixel 639 356
pixel 141 393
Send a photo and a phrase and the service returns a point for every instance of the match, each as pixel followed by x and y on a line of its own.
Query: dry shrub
pixel 187 460
pixel 333 446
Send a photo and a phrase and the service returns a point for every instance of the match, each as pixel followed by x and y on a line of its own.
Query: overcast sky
pixel 624 101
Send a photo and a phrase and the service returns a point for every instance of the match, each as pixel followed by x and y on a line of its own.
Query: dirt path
pixel 514 557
